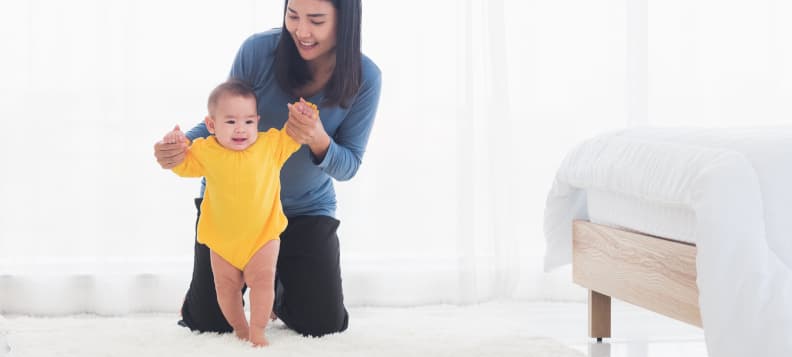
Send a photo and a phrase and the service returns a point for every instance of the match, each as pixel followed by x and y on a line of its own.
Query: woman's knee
pixel 327 322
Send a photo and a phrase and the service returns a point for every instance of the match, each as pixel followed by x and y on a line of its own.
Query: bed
pixel 691 223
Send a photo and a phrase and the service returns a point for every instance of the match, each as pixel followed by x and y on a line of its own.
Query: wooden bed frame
pixel 655 273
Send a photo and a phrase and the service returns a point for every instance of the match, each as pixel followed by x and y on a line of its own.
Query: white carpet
pixel 493 329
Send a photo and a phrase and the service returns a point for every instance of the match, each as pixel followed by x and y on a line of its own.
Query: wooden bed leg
pixel 599 315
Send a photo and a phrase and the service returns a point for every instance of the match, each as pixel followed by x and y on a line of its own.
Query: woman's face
pixel 312 25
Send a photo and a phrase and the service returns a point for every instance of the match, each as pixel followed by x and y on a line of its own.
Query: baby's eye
pixel 249 121
pixel 230 122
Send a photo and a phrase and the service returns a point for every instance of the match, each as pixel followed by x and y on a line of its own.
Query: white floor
pixel 637 332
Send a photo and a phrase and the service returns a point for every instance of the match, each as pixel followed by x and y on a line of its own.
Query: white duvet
pixel 738 183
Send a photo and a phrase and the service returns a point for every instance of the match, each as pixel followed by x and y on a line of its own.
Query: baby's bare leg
pixel 228 283
pixel 260 278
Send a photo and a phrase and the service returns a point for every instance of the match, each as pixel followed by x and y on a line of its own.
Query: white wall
pixel 720 63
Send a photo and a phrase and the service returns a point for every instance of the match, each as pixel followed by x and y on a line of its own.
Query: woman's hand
pixel 305 127
pixel 171 149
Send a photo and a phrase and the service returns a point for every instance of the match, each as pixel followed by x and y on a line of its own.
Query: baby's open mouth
pixel 239 140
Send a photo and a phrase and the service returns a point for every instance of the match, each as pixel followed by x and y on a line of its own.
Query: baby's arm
pixel 289 142
pixel 191 166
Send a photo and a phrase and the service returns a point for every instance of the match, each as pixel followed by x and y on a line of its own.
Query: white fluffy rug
pixel 480 330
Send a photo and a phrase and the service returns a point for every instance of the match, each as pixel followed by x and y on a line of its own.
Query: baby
pixel 241 217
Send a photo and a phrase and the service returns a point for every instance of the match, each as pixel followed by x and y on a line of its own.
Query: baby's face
pixel 234 122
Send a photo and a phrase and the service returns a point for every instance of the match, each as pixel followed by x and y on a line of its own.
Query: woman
pixel 315 55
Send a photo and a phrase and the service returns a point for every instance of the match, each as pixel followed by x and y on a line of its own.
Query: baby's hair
pixel 232 86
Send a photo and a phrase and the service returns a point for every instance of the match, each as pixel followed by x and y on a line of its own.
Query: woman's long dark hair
pixel 292 73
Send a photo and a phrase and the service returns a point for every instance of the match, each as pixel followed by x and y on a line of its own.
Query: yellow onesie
pixel 241 209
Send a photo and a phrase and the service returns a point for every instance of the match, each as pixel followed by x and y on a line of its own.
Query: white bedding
pixel 671 221
pixel 735 184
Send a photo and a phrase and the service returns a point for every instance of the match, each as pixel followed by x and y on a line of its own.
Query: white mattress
pixel 670 221
pixel 729 191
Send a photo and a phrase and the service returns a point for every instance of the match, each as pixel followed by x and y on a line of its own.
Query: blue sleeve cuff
pixel 331 152
pixel 198 131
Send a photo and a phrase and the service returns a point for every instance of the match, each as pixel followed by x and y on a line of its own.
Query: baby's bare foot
pixel 258 338
pixel 262 343
pixel 242 334
pixel 273 317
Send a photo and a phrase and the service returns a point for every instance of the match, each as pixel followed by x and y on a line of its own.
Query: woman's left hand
pixel 305 127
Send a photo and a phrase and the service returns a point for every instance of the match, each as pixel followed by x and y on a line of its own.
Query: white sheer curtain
pixel 480 102
pixel 87 220
pixel 481 99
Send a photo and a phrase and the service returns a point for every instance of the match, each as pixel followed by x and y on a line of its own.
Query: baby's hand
pixel 305 108
pixel 304 125
pixel 174 136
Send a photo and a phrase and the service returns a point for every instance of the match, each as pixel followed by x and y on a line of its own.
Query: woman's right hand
pixel 171 149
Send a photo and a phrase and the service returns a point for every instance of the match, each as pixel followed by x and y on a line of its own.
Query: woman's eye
pixel 317 23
